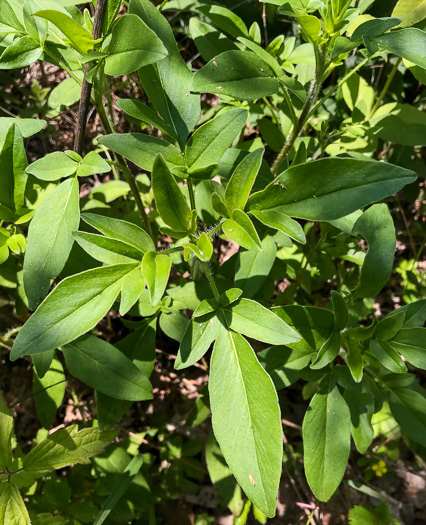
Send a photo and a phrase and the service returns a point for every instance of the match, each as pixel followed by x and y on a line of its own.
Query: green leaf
pixel 203 249
pixel 92 164
pixel 361 406
pixel 282 364
pixel 133 45
pixel 12 506
pixel 341 315
pixel 254 320
pixel 142 149
pixel 390 325
pixel 27 126
pixel 387 356
pixel 328 352
pixel 238 74
pixel 209 41
pixel 241 230
pixel 80 38
pixel 106 249
pixel 103 367
pixel 229 296
pixel 242 180
pixel 407 43
pixel 167 84
pixel 6 432
pixel 136 109
pixel 53 166
pixel 330 188
pixel 75 306
pixel 225 20
pixel 326 441
pixel 50 239
pixel 66 446
pixel 173 323
pixel 156 270
pixel 23 52
pixel 281 222
pixel 415 314
pixel 376 226
pixel 408 407
pixel 264 55
pixel 124 231
pixel 131 289
pixel 49 392
pixel 412 11
pixel 13 161
pixel 210 141
pixel 247 426
pixel 8 17
pixel 199 335
pixel 400 123
pixel 411 344
pixel 169 199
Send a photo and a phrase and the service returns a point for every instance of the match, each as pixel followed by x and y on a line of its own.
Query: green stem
pixel 287 98
pixel 384 90
pixel 211 280
pixel 172 250
pixel 191 194
pixel 22 399
pixel 218 227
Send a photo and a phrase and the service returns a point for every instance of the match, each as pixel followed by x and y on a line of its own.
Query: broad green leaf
pixel 42 362
pixel 92 164
pixel 225 20
pixel 400 123
pixel 238 74
pixel 254 320
pixel 199 335
pixel 407 43
pixel 207 306
pixel 209 41
pixel 66 446
pixel 6 431
pixel 281 222
pixel 311 27
pixel 173 323
pixel 408 407
pixel 124 231
pixel 330 188
pixel 27 126
pixel 387 356
pixel 142 149
pixel 80 38
pixel 53 166
pixel 12 506
pixel 74 307
pixel 50 239
pixel 133 45
pixel 415 314
pixel 156 271
pixel 376 226
pixel 21 53
pixel 388 327
pixel 264 55
pixel 361 406
pixel 8 16
pixel 355 359
pixel 131 289
pixel 13 161
pixel 411 344
pixel 246 425
pixel 113 6
pixel 169 199
pixel 209 142
pixel 242 180
pixel 341 315
pixel 229 296
pixel 282 364
pixel 103 367
pixel 106 249
pixel 49 392
pixel 168 83
pixel 412 11
pixel 35 27
pixel 136 109
pixel 241 230
pixel 203 249
pixel 326 441
pixel 328 352
pixel 252 268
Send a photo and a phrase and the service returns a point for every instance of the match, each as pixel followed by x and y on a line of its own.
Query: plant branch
pixel 384 90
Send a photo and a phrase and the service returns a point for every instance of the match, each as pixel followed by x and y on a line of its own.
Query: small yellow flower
pixel 380 468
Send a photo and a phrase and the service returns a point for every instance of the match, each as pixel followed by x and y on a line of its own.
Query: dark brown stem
pixel 86 88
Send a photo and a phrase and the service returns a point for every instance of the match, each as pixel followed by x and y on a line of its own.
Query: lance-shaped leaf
pixel 387 356
pixel 241 230
pixel 12 506
pixel 142 149
pixel 169 199
pixel 225 20
pixel 328 352
pixel 9 18
pixel 121 230
pixel 156 271
pixel 408 407
pixel 242 180
pixel 27 126
pixel 67 446
pixel 411 343
pixel 282 222
pixel 80 38
pixel 107 250
pixel 6 431
pixel 49 392
pixel 246 425
pixel 136 109
pixel 254 320
pixel 331 188
pixel 21 53
pixel 131 289
pixel 133 45
pixel 376 226
pixel 75 306
pixel 361 406
pixel 199 335
pixel 50 239
pixel 209 142
pixel 326 441
pixel 340 310
pixel 13 161
pixel 238 74
pixel 409 43
pixel 53 166
pixel 103 367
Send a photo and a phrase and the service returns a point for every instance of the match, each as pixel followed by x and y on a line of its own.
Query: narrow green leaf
pixel 264 55
pixel 13 161
pixel 341 315
pixel 254 320
pixel 281 222
pixel 6 432
pixel 169 199
pixel 49 392
pixel 103 367
pixel 136 109
pixel 283 363
pixel 12 506
pixel 131 289
pixel 238 74
pixel 408 407
pixel 225 20
pixel 92 164
pixel 387 356
pixel 209 41
pixel 199 335
pixel 53 166
pixel 173 324
pixel 328 352
pixel 229 296
pixel 409 43
pixel 241 230
pixel 8 17
pixel 156 271
pixel 411 344
pixel 75 306
pixel 361 406
pixel 326 441
pixel 388 327
pixel 133 45
pixel 27 126
pixel 106 249
pixel 246 425
pixel 21 53
pixel 50 239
